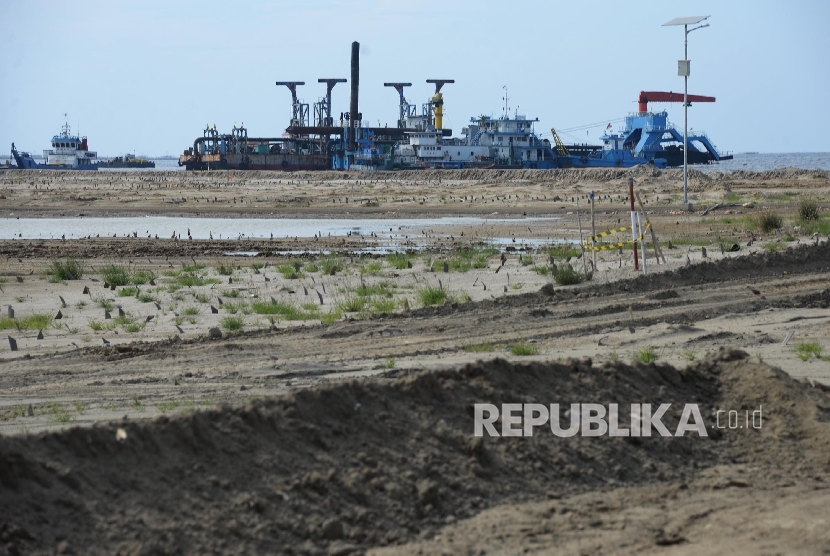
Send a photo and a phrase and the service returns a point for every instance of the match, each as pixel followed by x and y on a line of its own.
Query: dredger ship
pixel 419 141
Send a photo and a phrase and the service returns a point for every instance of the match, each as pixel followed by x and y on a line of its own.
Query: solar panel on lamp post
pixel 683 69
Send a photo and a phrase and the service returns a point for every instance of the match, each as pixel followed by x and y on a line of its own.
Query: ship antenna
pixel 506 98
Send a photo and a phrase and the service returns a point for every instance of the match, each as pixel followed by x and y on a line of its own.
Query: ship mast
pixel 65 130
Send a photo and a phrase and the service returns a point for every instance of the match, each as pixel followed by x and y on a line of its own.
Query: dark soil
pixel 383 461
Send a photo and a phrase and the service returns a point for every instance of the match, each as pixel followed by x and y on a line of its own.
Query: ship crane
pixel 560 146
pixel 405 109
pixel 322 109
pixel 437 101
pixel 657 96
pixel 299 110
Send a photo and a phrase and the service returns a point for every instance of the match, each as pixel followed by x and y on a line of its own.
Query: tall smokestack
pixel 353 104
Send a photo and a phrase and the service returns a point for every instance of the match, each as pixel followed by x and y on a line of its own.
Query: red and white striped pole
pixel 633 222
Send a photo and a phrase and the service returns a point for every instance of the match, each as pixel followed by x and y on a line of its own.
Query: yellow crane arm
pixel 560 146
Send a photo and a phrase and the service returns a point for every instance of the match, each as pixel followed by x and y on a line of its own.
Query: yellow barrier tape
pixel 607 233
pixel 608 246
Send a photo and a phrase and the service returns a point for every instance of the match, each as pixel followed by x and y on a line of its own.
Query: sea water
pixel 249 228
pixel 759 162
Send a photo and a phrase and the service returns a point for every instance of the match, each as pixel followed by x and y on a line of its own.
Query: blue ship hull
pixel 35 166
pixel 612 159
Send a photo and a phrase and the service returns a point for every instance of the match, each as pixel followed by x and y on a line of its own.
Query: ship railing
pixel 703 135
pixel 660 128
pixel 719 152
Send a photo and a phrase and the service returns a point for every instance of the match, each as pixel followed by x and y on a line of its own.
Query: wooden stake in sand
pixel 593 232
pixel 640 228
pixel 581 243
pixel 633 222
pixel 658 253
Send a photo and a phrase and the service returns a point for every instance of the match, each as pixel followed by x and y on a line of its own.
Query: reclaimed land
pixel 319 401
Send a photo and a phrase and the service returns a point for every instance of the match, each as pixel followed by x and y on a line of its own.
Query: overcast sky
pixel 146 76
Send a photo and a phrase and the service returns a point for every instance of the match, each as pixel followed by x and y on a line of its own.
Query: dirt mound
pixel 698 181
pixel 780 173
pixel 804 258
pixel 569 175
pixel 485 175
pixel 378 462
pixel 660 286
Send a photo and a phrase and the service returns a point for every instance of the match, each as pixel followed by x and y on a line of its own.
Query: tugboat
pixel 68 152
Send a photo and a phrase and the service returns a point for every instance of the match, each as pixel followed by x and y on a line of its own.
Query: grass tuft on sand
pixel 523 348
pixel 233 324
pixel 432 295
pixel 66 269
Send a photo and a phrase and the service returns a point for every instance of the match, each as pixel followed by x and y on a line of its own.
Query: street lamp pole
pixel 683 69
pixel 686 118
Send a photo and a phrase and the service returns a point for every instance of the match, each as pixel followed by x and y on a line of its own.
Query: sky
pixel 146 76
